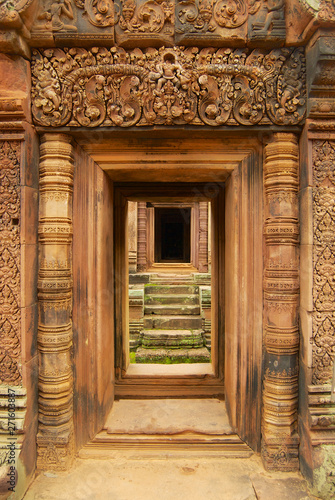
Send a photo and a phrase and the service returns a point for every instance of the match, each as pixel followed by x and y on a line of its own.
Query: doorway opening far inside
pixel 169 251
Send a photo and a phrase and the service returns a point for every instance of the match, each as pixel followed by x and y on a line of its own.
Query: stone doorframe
pixel 248 401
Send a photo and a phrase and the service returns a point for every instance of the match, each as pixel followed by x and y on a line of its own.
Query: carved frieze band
pixel 162 20
pixel 281 293
pixel 55 438
pixel 10 265
pixel 323 260
pixel 115 88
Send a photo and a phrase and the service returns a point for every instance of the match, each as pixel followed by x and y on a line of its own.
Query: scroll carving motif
pixel 100 13
pixel 10 345
pixel 10 11
pixel 206 15
pixel 80 87
pixel 323 260
pixel 147 17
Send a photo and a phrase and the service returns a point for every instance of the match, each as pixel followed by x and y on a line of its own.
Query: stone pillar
pixel 132 235
pixel 142 236
pixel 55 436
pixel 209 237
pixel 281 287
pixel 203 236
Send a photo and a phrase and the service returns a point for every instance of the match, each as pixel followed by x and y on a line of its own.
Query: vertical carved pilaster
pixel 323 341
pixel 10 263
pixel 141 236
pixel 55 437
pixel 203 236
pixel 281 287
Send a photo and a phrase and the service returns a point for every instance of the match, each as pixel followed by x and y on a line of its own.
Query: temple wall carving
pixel 10 263
pixel 323 260
pixel 237 66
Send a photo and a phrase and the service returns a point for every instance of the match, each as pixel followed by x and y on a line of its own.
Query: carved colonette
pixel 281 299
pixel 55 437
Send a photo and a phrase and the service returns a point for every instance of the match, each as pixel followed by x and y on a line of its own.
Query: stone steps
pixel 180 298
pixel 172 338
pixel 171 289
pixel 174 309
pixel 172 325
pixel 164 355
pixel 173 322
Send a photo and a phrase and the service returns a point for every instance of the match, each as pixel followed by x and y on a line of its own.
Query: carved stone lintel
pixel 281 298
pixel 167 87
pixel 55 436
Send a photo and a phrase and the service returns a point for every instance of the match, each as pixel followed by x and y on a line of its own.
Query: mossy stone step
pixel 172 356
pixel 173 322
pixel 172 338
pixel 171 299
pixel 172 309
pixel 170 289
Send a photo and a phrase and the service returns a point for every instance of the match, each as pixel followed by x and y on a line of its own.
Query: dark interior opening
pixel 172 235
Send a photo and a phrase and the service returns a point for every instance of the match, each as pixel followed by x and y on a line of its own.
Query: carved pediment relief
pixel 112 87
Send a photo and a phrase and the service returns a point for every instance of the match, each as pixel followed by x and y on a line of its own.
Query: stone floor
pixel 187 478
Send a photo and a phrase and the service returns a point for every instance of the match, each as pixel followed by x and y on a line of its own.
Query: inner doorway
pixel 172 235
pixel 169 248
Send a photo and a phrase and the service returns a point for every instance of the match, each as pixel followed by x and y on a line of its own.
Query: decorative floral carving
pixel 323 260
pixel 100 13
pixel 113 87
pixel 10 262
pixel 206 15
pixel 10 11
pixel 327 10
pixel 147 17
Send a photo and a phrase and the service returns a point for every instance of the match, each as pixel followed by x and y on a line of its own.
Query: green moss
pixel 132 357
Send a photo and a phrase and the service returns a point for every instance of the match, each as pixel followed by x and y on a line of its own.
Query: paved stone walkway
pixel 187 478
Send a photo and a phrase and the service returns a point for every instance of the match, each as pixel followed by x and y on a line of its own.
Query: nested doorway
pixel 228 173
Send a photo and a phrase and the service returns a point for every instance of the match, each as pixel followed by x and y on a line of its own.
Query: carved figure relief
pixel 10 345
pixel 323 260
pixel 267 19
pixel 72 16
pixel 57 16
pixel 113 87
